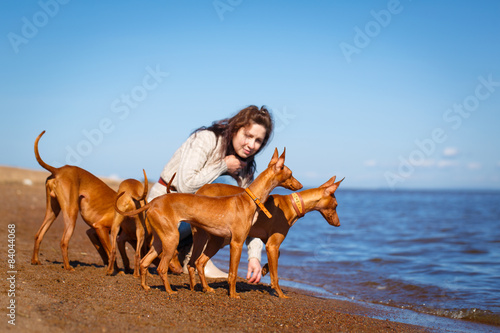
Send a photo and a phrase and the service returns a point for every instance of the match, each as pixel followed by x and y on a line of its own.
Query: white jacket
pixel 198 162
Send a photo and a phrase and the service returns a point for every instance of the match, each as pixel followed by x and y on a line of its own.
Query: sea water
pixel 434 252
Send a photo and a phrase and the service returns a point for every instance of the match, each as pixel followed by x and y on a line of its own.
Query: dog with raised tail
pixel 135 230
pixel 72 190
pixel 226 216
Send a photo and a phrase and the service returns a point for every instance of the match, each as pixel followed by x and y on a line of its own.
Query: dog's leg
pixel 92 235
pixel 115 228
pixel 146 262
pixel 200 266
pixel 200 238
pixel 144 250
pixel 51 212
pixel 167 254
pixel 235 248
pixel 121 241
pixel 168 235
pixel 272 249
pixel 70 216
pixel 103 235
pixel 213 246
pixel 174 266
pixel 154 251
pixel 140 235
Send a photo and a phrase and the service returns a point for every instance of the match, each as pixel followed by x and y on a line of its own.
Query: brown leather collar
pixel 258 203
pixel 298 204
pixel 161 181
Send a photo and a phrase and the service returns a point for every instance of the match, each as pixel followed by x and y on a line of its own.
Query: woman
pixel 227 147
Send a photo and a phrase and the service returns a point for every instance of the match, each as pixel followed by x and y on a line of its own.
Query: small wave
pixel 475 315
pixel 472 314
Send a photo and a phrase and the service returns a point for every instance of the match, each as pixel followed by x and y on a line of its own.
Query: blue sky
pixel 389 94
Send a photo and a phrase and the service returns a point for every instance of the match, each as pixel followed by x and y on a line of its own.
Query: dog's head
pixel 282 173
pixel 327 205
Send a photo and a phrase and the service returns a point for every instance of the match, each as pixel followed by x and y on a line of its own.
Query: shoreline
pixel 395 313
pixel 49 298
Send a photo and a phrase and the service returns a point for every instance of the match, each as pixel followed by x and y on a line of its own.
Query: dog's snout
pixel 297 185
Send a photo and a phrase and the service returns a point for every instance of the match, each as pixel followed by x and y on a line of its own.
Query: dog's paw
pixel 265 270
pixel 209 290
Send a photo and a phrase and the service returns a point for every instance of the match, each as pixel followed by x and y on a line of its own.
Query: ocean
pixel 432 252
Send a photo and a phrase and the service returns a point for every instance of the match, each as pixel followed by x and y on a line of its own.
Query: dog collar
pixel 258 203
pixel 298 204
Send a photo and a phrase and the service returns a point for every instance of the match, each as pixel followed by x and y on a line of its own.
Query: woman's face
pixel 248 140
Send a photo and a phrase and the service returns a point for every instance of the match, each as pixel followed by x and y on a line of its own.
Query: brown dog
pixel 71 189
pixel 227 217
pixel 285 210
pixel 135 230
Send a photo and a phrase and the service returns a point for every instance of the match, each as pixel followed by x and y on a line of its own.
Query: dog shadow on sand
pixel 241 286
pixel 76 263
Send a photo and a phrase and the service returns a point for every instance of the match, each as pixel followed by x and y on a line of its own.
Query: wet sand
pixel 50 299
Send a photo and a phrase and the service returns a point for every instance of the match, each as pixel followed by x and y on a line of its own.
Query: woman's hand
pixel 254 271
pixel 234 165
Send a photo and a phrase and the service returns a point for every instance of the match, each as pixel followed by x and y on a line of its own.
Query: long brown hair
pixel 225 129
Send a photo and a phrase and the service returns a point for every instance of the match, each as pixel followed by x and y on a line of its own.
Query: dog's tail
pixel 132 212
pixel 145 192
pixel 169 185
pixel 44 165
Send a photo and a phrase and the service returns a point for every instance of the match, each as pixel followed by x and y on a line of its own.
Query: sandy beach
pixel 50 299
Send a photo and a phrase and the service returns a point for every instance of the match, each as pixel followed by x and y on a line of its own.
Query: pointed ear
pixel 332 188
pixel 331 181
pixel 283 155
pixel 281 161
pixel 274 159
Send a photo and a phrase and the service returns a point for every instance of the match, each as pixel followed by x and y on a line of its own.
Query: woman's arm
pixel 254 272
pixel 200 162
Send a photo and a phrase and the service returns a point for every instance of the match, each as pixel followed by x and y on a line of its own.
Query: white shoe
pixel 211 271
